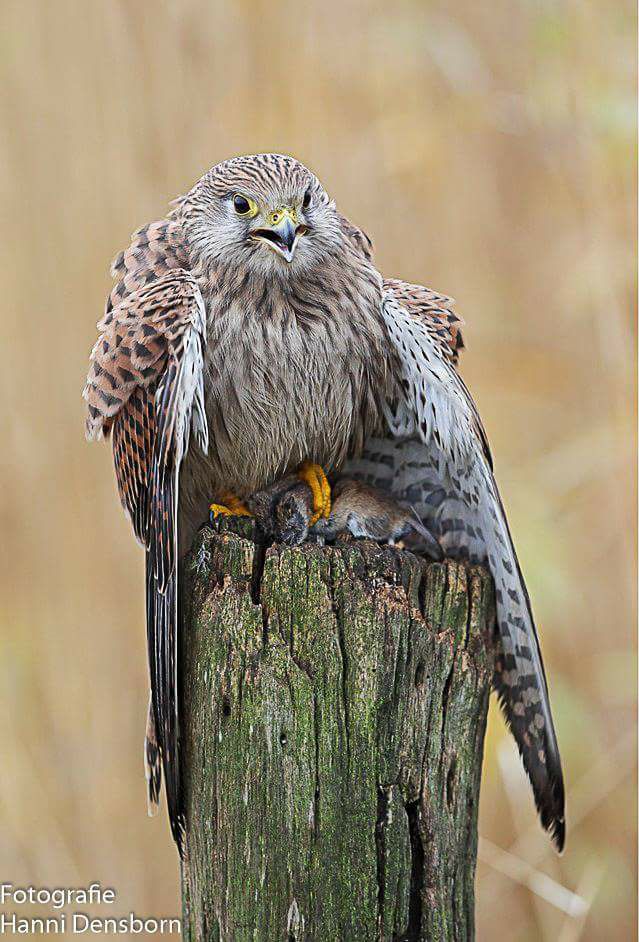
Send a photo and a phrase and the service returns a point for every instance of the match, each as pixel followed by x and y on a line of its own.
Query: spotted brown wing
pixel 145 389
pixel 156 249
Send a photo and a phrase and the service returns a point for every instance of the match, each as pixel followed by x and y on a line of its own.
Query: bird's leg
pixel 285 509
pixel 232 506
pixel 313 475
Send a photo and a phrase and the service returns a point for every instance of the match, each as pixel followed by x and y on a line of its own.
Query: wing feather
pixel 145 389
pixel 437 458
pixel 436 312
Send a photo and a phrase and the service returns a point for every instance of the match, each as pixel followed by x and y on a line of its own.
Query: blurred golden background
pixel 489 151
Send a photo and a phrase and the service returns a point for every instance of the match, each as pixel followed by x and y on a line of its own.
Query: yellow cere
pixel 275 218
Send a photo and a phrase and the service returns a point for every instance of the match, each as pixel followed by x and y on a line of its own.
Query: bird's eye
pixel 306 202
pixel 244 206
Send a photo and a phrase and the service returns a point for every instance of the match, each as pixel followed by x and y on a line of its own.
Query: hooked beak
pixel 283 234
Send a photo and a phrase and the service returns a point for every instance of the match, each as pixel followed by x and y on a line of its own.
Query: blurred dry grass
pixel 488 148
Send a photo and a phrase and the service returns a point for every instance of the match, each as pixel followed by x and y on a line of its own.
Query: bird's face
pixel 267 213
pixel 275 225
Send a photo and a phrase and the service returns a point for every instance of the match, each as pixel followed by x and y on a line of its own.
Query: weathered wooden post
pixel 334 706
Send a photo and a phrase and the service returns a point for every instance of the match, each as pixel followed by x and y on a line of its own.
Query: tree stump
pixel 334 705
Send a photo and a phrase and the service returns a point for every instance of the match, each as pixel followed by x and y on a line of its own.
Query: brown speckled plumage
pixel 292 373
pixel 263 326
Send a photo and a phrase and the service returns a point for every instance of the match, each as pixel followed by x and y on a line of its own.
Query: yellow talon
pixel 232 507
pixel 219 510
pixel 313 475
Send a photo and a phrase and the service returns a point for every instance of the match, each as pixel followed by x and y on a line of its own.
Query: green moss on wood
pixel 334 703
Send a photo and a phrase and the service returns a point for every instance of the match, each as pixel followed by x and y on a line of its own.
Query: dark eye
pixel 241 205
pixel 306 202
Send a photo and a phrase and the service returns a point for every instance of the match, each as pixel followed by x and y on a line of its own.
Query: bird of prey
pixel 250 336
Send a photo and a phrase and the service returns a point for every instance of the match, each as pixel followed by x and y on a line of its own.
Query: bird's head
pixel 266 213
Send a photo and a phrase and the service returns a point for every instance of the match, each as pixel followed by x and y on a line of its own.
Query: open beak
pixel 283 234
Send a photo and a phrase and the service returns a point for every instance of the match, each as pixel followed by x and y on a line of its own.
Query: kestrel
pixel 250 336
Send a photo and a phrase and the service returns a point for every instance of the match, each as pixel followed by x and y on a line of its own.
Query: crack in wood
pixel 383 794
pixel 415 901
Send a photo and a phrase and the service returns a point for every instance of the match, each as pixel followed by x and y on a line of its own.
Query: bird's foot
pixel 313 475
pixel 232 507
